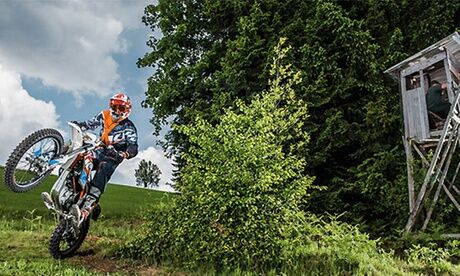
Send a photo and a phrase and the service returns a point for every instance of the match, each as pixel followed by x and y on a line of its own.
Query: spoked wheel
pixel 65 241
pixel 29 163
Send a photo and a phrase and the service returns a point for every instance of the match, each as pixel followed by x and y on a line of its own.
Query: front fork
pixel 85 175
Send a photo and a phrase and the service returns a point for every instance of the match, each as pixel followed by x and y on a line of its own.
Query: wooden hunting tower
pixel 425 131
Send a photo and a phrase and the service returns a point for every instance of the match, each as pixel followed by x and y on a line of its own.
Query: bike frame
pixel 81 143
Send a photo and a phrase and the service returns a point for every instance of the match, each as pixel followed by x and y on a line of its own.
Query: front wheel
pixel 64 242
pixel 28 164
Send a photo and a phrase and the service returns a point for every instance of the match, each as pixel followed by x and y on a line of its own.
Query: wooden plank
pixel 446 148
pixel 422 156
pixel 423 64
pixel 410 173
pixel 456 74
pixel 454 65
pixel 425 51
pixel 456 118
pixel 413 115
pixel 450 93
pixel 405 107
pixel 452 198
pixel 456 189
pixel 416 111
pixel 433 203
pixel 423 109
pixel 451 236
pixel 438 158
pixel 454 177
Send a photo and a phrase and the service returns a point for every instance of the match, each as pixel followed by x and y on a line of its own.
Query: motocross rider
pixel 119 142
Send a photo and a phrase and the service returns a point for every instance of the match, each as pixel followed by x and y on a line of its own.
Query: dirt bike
pixel 34 159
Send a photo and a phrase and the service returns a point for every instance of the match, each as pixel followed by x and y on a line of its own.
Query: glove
pixel 118 156
pixel 122 155
pixel 111 152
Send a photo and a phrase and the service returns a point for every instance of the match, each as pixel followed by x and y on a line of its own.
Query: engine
pixel 67 195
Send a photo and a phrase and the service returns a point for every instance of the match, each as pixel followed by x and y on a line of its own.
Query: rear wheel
pixel 64 241
pixel 29 163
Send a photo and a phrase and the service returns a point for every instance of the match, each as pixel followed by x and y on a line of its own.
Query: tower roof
pixel 450 43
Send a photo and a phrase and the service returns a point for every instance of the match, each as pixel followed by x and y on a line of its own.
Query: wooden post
pixel 410 173
pixel 450 93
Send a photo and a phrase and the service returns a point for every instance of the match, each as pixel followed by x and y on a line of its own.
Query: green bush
pixel 431 259
pixel 240 192
pixel 242 184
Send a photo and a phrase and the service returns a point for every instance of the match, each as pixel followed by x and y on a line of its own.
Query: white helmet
pixel 120 106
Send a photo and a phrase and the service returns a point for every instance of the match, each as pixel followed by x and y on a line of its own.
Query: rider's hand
pixel 121 156
pixel 118 156
pixel 110 151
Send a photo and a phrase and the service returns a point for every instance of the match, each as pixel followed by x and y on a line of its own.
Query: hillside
pixel 118 201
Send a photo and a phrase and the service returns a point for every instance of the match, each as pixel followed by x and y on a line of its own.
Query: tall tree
pixel 213 52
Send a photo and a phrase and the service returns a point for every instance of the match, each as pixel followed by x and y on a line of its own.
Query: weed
pixel 33 220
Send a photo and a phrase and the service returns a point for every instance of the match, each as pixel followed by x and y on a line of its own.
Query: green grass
pixel 26 225
pixel 117 202
pixel 26 251
pixel 25 245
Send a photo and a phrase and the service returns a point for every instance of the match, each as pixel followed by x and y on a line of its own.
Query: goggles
pixel 118 108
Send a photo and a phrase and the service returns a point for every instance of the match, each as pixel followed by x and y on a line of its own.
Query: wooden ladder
pixel 439 167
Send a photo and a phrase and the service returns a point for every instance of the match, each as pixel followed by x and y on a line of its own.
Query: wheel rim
pixel 34 163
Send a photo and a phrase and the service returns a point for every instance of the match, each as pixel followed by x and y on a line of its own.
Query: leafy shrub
pixel 431 259
pixel 240 192
pixel 242 184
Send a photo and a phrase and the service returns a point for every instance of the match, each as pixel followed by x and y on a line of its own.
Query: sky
pixel 62 61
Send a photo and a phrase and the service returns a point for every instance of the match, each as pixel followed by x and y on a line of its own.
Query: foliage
pixel 147 174
pixel 322 246
pixel 214 52
pixel 242 185
pixel 240 193
pixel 429 258
pixel 33 220
pixel 26 251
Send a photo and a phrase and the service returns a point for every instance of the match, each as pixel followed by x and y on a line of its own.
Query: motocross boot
pixel 90 202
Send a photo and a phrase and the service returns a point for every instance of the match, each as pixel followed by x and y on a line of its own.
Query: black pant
pixel 104 165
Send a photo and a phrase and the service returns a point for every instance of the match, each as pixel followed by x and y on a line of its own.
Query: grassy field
pixel 117 202
pixel 26 225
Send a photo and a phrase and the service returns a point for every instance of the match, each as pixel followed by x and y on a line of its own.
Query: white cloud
pixel 20 114
pixel 68 44
pixel 124 174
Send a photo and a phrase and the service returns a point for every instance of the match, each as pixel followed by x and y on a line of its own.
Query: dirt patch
pixel 100 264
